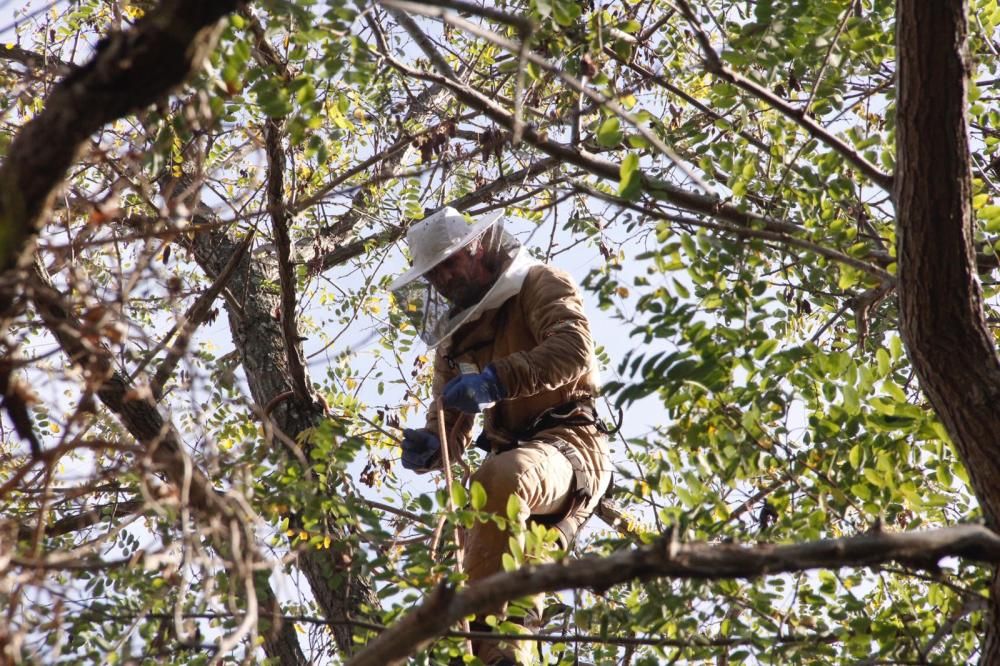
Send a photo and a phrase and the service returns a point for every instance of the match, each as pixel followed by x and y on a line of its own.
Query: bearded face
pixel 463 278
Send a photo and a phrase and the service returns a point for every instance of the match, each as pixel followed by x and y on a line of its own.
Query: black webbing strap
pixel 573 413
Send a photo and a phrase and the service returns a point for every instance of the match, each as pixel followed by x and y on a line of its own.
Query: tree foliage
pixel 203 377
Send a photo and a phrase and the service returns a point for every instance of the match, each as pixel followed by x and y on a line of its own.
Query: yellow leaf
pixel 327 541
pixel 54 427
pixel 303 535
pixel 350 383
pixel 290 533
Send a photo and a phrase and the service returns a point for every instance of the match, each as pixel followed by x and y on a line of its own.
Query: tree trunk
pixel 259 339
pixel 940 299
pixel 144 421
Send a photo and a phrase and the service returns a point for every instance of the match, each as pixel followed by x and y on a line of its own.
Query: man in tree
pixel 512 341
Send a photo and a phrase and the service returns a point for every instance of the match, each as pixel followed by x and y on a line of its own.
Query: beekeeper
pixel 511 340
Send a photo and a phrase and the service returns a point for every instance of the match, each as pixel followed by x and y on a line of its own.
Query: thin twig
pixel 188 323
pixel 714 64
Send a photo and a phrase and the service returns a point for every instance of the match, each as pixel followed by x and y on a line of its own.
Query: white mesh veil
pixel 434 316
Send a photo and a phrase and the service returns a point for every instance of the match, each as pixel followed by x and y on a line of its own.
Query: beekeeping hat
pixel 438 237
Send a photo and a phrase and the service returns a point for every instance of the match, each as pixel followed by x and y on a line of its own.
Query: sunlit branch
pixel 666 84
pixel 661 189
pixel 692 642
pixel 87 518
pixel 743 232
pixel 139 414
pixel 423 41
pixel 670 558
pixel 397 148
pixel 572 82
pixel 714 64
pixel 33 59
pixel 169 43
pixel 356 248
pixel 181 332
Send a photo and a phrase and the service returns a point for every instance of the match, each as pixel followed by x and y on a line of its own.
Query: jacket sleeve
pixel 553 311
pixel 458 425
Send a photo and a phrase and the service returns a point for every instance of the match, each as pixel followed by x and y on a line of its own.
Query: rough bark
pixel 669 558
pixel 259 338
pixel 940 299
pixel 129 71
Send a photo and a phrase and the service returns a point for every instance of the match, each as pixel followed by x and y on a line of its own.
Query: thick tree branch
pixel 282 241
pixel 128 71
pixel 339 592
pixel 281 217
pixel 668 558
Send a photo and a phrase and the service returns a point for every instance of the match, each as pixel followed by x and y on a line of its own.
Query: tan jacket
pixel 539 342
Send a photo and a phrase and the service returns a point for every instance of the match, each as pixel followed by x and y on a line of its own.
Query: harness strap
pixel 574 413
pixel 585 483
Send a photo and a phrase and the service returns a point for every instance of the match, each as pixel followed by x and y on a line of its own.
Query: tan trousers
pixel 542 479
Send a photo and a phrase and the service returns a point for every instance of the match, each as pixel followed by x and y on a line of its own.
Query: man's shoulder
pixel 541 274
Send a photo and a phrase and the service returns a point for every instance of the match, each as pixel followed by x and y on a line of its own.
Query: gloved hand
pixel 473 392
pixel 420 449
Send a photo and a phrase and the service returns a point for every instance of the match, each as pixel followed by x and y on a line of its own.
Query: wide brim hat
pixel 438 236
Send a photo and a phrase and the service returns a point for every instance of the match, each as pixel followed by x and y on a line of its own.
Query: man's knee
pixel 500 478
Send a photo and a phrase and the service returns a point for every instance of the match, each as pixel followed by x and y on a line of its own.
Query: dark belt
pixel 573 413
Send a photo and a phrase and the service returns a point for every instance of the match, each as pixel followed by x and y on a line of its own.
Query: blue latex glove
pixel 420 449
pixel 473 392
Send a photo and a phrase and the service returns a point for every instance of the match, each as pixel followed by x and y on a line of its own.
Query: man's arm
pixel 554 313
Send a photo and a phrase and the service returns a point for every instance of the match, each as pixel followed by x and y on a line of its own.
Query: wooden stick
pixel 459 546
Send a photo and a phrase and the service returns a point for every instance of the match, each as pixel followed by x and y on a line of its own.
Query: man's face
pixel 463 278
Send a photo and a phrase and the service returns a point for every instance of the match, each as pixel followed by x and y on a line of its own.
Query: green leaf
pixel 609 134
pixel 458 493
pixel 765 348
pixel 873 477
pixel 629 177
pixel 851 404
pixel 882 358
pixel 566 12
pixel 513 509
pixel 854 457
pixel 989 212
pixel 478 496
